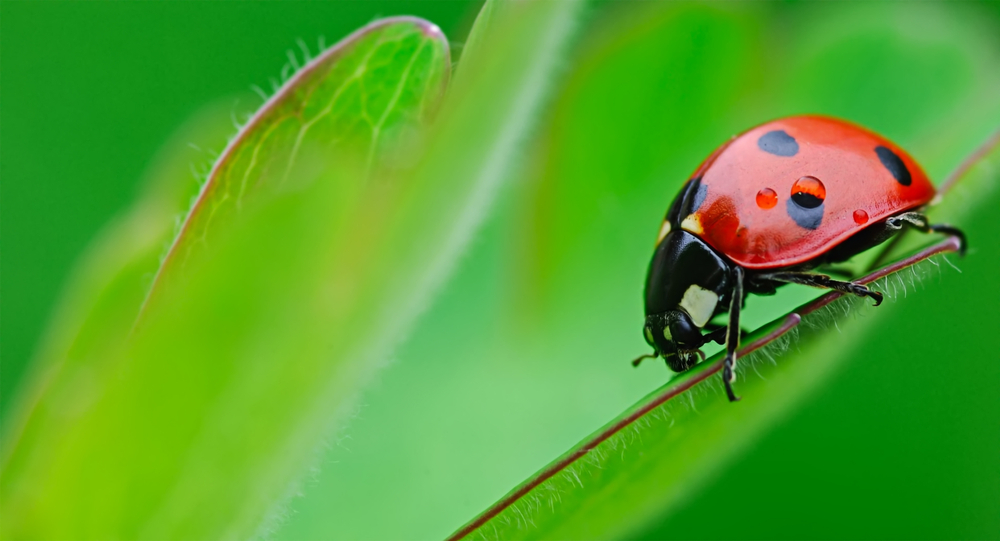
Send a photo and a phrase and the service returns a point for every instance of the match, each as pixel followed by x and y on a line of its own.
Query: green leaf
pixel 150 430
pixel 352 101
pixel 639 467
pixel 108 284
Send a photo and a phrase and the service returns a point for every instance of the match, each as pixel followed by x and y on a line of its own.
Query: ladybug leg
pixel 822 281
pixel 718 336
pixel 920 222
pixel 733 334
pixel 839 271
pixel 952 231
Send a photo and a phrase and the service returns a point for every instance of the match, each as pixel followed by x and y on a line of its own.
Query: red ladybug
pixel 761 211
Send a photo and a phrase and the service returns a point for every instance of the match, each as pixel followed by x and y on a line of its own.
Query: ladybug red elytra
pixel 764 209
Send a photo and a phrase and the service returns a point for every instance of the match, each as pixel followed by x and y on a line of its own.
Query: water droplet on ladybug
pixel 767 198
pixel 808 192
pixel 860 217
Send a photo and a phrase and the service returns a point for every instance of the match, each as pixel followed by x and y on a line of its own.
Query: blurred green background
pixel 526 350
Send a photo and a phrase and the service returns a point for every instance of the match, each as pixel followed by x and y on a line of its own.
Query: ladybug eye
pixel 808 192
pixel 648 333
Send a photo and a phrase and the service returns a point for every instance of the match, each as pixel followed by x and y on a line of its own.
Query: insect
pixel 762 211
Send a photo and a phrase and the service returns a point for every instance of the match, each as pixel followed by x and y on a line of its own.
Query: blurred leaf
pixel 105 437
pixel 352 101
pixel 109 283
pixel 627 130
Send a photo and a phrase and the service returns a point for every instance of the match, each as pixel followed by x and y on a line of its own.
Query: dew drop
pixel 808 192
pixel 860 217
pixel 767 198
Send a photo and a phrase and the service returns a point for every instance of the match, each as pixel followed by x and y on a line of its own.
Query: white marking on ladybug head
pixel 667 335
pixel 692 224
pixel 664 231
pixel 700 304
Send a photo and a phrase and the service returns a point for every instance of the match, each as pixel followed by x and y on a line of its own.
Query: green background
pixel 901 443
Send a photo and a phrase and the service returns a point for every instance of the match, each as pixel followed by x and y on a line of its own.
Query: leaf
pixel 110 442
pixel 353 100
pixel 640 466
pixel 109 283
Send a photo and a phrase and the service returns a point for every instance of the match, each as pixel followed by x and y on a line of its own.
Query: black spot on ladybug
pixel 894 164
pixel 690 199
pixel 805 216
pixel 806 200
pixel 779 143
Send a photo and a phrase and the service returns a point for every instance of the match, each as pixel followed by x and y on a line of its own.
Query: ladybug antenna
pixel 639 359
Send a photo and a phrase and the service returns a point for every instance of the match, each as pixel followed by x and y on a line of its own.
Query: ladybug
pixel 763 210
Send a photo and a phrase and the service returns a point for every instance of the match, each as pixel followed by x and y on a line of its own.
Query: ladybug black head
pixel 675 338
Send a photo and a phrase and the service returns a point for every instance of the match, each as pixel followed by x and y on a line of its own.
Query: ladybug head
pixel 675 338
pixel 688 284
